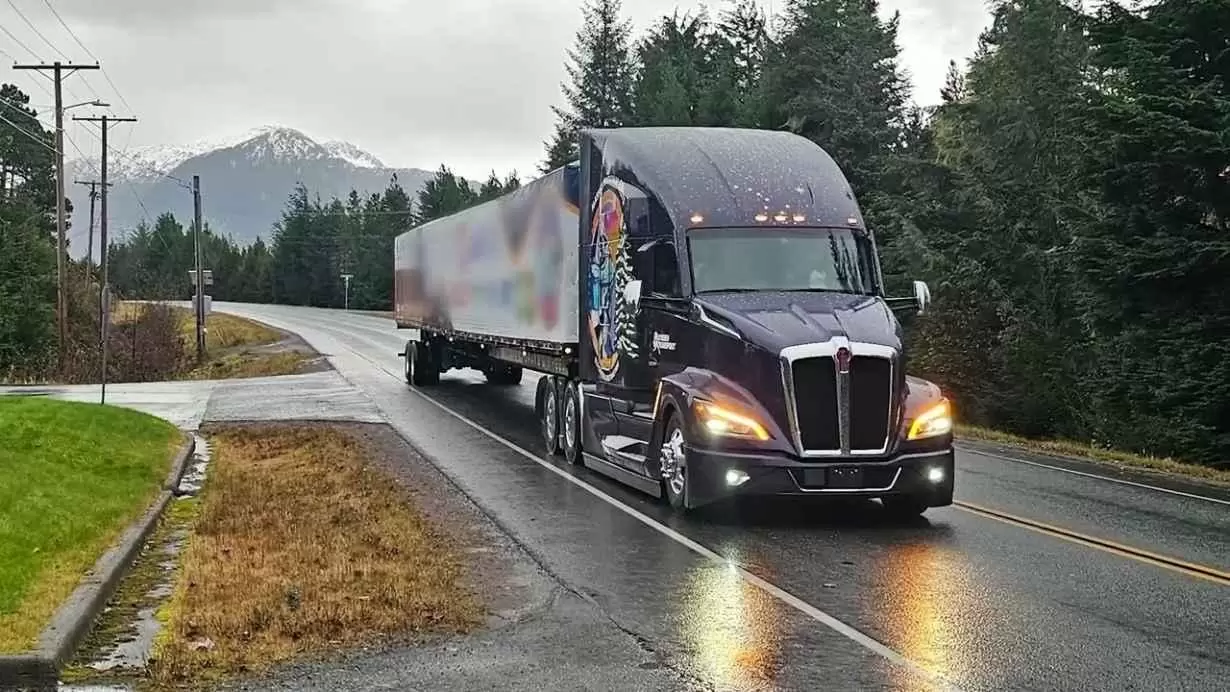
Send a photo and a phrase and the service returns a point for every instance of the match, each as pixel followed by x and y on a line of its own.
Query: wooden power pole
pixel 59 71
pixel 199 275
pixel 104 290
pixel 89 252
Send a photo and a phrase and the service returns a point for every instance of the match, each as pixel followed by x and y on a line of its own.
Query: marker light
pixel 762 217
pixel 936 420
pixel 697 218
pixel 721 421
pixel 780 218
pixel 736 478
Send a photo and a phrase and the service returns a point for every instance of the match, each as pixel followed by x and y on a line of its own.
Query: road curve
pixel 988 594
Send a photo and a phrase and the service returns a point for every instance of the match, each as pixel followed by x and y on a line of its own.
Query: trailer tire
pixel 570 426
pixel 408 357
pixel 423 372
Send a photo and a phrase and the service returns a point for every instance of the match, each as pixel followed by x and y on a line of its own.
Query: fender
pixel 677 393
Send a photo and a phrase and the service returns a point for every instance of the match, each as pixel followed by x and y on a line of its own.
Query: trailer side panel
pixel 505 269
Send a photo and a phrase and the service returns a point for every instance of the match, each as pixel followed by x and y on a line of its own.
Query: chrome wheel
pixel 572 426
pixel 674 463
pixel 550 420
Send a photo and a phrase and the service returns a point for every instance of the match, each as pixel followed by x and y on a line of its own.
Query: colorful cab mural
pixel 611 328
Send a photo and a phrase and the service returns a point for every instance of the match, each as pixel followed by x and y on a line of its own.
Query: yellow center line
pixel 1173 564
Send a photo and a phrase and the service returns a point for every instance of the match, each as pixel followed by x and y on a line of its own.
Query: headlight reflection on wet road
pixel 733 628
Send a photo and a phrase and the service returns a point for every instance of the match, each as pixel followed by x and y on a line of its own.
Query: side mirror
pixel 922 296
pixel 632 294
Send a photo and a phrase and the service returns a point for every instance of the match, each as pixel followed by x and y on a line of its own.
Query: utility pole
pixel 59 71
pixel 89 253
pixel 200 275
pixel 347 278
pixel 104 290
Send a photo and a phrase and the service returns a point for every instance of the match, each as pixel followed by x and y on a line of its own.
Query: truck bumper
pixel 714 476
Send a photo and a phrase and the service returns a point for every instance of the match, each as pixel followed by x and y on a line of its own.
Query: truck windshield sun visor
pixel 838 260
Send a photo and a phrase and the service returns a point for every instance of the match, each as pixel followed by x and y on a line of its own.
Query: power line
pixel 35 30
pixel 17 40
pixel 17 127
pixel 89 53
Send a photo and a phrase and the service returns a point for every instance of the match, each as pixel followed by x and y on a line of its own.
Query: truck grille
pixel 817 403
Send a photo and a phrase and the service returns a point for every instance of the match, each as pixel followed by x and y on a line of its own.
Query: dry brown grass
pixel 299 548
pixel 1080 450
pixel 229 331
pixel 248 364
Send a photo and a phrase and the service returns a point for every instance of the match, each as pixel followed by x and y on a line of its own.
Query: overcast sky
pixel 416 82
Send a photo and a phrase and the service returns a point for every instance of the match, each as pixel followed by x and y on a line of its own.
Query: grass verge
pixel 72 477
pixel 301 547
pixel 1083 451
pixel 250 364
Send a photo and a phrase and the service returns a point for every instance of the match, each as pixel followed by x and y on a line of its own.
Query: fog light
pixel 935 474
pixel 736 478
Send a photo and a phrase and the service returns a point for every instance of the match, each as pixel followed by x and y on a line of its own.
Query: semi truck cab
pixel 735 336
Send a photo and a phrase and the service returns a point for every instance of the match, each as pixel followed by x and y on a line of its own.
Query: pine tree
pixel 1155 259
pixel 833 77
pixel 600 71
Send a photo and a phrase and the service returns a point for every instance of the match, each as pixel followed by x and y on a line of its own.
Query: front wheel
pixel 672 456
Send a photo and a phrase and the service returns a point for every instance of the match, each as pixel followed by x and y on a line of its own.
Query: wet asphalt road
pixel 796 596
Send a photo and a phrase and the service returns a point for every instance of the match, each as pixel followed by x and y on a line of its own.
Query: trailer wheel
pixel 408 357
pixel 548 412
pixel 570 426
pixel 423 372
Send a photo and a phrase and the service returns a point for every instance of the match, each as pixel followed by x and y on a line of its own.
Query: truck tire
pixel 570 426
pixel 408 357
pixel 423 371
pixel 548 413
pixel 674 462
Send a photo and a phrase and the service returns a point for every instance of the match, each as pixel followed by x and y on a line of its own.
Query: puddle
pixel 122 641
pixel 194 475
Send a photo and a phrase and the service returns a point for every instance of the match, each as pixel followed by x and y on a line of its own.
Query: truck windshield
pixel 781 259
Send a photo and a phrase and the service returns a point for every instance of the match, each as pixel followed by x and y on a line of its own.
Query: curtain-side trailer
pixel 708 310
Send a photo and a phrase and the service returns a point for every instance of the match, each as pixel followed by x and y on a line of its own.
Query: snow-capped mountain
pixel 273 141
pixel 245 180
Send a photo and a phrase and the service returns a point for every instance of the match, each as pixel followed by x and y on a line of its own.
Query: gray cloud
pixel 465 82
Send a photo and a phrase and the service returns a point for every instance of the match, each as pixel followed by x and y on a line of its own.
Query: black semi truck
pixel 708 311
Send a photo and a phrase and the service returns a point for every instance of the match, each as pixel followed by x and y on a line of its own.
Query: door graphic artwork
pixel 612 326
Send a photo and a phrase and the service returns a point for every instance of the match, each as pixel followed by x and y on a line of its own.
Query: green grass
pixel 72 477
pixel 1069 448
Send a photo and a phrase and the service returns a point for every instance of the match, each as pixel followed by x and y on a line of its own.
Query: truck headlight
pixel 722 421
pixel 936 420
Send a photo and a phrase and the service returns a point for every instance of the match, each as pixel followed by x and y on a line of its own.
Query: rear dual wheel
pixel 559 410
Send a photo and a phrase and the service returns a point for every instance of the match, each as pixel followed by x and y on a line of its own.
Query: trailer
pixel 707 308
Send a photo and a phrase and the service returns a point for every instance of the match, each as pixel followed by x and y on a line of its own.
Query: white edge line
pixel 777 592
pixel 1134 484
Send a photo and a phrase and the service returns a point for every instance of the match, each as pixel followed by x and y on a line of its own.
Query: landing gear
pixel 503 375
pixel 674 462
